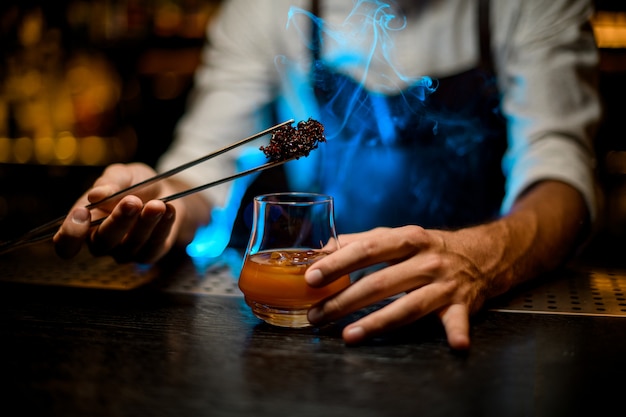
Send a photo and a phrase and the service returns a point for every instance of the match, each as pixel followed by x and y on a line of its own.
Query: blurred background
pixel 87 83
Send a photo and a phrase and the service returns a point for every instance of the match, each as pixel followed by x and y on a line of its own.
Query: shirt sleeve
pixel 547 64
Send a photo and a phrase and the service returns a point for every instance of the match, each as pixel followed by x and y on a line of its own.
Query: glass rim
pixel 293 197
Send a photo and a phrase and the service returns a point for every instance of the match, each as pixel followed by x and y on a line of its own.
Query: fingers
pixel 114 178
pixel 409 308
pixel 377 286
pixel 157 245
pixel 354 255
pixel 134 232
pixel 101 192
pixel 366 249
pixel 430 279
pixel 147 240
pixel 116 226
pixel 403 310
pixel 131 232
pixel 72 233
pixel 455 319
pixel 118 177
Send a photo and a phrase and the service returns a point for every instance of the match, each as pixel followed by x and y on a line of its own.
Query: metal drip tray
pixel 571 292
pixel 215 279
pixel 38 264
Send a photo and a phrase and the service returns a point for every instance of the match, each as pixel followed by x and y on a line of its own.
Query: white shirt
pixel 545 66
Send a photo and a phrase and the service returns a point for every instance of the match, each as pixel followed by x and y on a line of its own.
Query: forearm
pixel 537 235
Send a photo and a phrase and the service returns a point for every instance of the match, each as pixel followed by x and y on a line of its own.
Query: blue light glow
pixel 210 241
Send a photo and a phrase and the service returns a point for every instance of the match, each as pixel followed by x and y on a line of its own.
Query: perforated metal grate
pixel 575 292
pixel 215 279
pixel 581 292
pixel 39 265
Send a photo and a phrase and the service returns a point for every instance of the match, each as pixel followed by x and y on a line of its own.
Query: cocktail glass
pixel 289 232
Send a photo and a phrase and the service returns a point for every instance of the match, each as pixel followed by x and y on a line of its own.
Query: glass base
pixel 282 317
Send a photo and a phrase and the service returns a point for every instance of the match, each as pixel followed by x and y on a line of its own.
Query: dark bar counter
pixel 153 350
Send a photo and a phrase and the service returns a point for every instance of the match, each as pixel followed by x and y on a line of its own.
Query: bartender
pixel 459 148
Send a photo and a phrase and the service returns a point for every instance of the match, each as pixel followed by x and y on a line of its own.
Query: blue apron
pixel 428 159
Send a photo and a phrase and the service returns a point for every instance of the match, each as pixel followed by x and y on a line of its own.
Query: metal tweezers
pixel 47 230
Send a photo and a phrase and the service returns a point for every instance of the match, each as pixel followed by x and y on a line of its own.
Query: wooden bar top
pixel 67 351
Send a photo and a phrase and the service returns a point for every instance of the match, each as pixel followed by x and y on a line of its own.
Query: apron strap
pixel 315 31
pixel 484 33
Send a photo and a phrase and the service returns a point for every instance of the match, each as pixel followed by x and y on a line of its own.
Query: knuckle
pixel 413 236
pixel 369 248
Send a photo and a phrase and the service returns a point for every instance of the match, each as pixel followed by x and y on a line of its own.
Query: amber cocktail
pixel 290 231
pixel 274 286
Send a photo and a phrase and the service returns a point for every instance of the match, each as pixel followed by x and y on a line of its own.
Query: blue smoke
pixel 362 48
pixel 364 39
